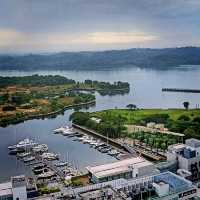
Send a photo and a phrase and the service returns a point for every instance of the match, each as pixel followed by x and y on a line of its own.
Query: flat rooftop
pixel 5 189
pixel 193 142
pixel 18 181
pixel 118 167
pixel 175 182
pixel 177 146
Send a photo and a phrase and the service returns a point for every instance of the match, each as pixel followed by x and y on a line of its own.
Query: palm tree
pixel 146 138
pixel 163 146
pixel 150 142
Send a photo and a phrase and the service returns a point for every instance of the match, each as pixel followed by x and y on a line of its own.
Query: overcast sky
pixel 76 25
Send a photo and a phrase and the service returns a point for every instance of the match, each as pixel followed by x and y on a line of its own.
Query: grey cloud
pixel 176 21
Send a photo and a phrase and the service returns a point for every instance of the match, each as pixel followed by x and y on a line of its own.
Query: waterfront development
pixel 99 100
pixel 55 136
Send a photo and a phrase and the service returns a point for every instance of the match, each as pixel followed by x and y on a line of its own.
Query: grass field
pixel 133 116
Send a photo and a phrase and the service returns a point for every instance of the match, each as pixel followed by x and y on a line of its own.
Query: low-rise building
pixel 128 168
pixel 160 126
pixel 187 157
pixel 6 191
pixel 162 186
pixel 19 188
pixel 151 125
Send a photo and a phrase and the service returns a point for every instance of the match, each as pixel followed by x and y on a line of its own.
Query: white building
pixel 14 190
pixel 6 191
pixel 128 168
pixel 187 156
pixel 162 186
pixel 19 187
pixel 151 125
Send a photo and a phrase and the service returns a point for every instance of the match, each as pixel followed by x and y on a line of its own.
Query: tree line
pixel 35 80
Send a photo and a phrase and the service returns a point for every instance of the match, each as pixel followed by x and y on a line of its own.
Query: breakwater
pixel 180 90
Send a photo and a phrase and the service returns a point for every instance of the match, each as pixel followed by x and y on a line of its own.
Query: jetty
pixel 180 90
pixel 131 150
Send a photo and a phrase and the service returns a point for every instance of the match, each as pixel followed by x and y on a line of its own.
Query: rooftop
pixel 178 146
pixel 18 181
pixel 117 167
pixel 5 189
pixel 193 142
pixel 175 182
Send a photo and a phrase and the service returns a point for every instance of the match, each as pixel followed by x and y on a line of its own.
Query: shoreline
pixel 39 116
pixel 97 90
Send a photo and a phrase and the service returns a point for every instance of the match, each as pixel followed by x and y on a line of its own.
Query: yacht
pixel 68 131
pixel 86 141
pixel 80 139
pixel 64 130
pixel 59 130
pixel 50 156
pixel 23 155
pixel 29 159
pixel 100 144
pixel 39 166
pixel 46 175
pixel 40 171
pixel 61 164
pixel 113 152
pixel 105 150
pixel 26 143
pixel 16 151
pixel 40 148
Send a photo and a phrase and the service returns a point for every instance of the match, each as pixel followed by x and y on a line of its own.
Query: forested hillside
pixel 147 58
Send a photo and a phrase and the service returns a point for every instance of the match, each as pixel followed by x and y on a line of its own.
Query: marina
pixel 93 142
pixel 140 80
pixel 44 165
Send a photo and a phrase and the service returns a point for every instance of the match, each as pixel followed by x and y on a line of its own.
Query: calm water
pixel 145 92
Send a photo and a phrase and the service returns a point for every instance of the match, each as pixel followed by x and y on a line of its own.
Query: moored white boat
pixel 48 174
pixel 65 130
pixel 59 130
pixel 29 159
pixel 40 148
pixel 22 155
pixel 113 152
pixel 61 164
pixel 26 143
pixel 69 131
pixel 50 156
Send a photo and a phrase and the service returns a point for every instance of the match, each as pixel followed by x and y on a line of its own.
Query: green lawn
pixel 133 116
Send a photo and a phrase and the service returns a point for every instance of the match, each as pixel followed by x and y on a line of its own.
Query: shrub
pixel 77 182
pixel 184 118
pixel 196 119
pixel 9 108
pixel 79 118
pixel 157 118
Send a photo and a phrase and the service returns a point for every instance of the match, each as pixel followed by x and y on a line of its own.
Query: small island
pixel 36 96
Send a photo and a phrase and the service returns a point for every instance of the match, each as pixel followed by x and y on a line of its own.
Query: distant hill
pixel 148 58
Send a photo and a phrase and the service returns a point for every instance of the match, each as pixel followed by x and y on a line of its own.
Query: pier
pixel 103 138
pixel 180 90
pixel 131 150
